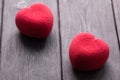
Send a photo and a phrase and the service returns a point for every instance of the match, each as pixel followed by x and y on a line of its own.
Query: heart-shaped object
pixel 88 53
pixel 35 21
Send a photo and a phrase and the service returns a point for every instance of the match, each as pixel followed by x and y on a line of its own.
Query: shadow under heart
pixel 33 43
pixel 100 74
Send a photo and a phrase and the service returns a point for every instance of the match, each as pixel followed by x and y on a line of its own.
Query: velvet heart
pixel 35 21
pixel 87 52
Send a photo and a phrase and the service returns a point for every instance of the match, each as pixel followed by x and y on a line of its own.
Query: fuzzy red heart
pixel 88 53
pixel 35 21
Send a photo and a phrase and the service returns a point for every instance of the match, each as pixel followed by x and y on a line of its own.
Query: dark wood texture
pixel 1 9
pixel 116 8
pixel 94 16
pixel 24 58
pixel 0 17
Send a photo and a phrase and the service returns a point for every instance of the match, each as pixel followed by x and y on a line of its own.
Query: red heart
pixel 87 52
pixel 35 21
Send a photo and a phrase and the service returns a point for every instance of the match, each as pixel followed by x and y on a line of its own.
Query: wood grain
pixel 92 16
pixel 116 8
pixel 1 9
pixel 24 58
pixel 0 18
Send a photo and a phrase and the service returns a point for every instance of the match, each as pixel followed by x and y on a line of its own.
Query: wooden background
pixel 23 58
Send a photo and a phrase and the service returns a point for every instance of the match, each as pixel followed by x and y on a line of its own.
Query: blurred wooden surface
pixel 116 11
pixel 95 17
pixel 23 58
pixel 0 19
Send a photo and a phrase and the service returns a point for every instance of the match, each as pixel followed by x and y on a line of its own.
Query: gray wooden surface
pixel 0 10
pixel 95 17
pixel 0 18
pixel 24 58
pixel 116 10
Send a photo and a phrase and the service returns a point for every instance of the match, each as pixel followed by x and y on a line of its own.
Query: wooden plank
pixel 24 58
pixel 116 8
pixel 96 17
pixel 0 18
pixel 1 9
